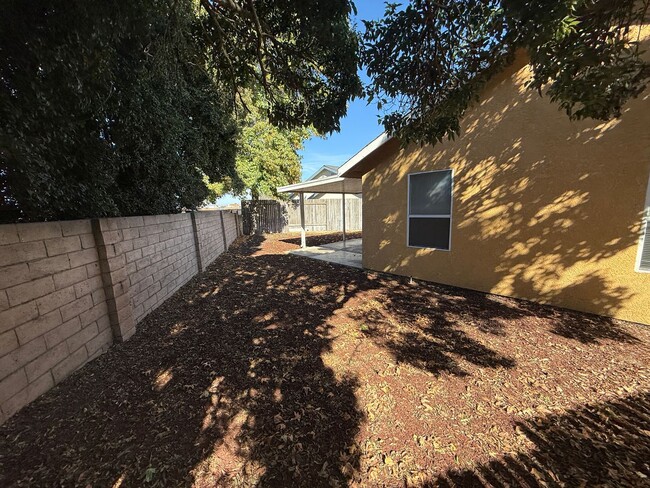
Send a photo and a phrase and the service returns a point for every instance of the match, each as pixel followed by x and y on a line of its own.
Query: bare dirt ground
pixel 277 370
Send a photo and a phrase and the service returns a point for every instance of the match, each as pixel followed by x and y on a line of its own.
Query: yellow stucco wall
pixel 543 208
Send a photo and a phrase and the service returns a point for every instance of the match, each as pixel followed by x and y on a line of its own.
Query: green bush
pixel 108 108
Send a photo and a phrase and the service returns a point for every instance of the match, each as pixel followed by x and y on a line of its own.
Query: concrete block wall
pixel 69 289
pixel 232 226
pixel 160 256
pixel 53 310
pixel 210 225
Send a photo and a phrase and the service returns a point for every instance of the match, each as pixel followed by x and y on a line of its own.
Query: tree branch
pixel 213 15
pixel 260 44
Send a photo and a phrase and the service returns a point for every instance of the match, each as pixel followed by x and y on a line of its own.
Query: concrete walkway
pixel 336 252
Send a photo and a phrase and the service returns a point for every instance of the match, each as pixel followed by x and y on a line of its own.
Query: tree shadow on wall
pixel 527 216
pixel 606 444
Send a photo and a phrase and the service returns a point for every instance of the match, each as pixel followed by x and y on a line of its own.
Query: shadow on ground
pixel 225 380
pixel 605 444
pixel 436 320
pixel 225 384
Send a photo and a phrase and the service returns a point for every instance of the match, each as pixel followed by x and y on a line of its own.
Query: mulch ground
pixel 277 370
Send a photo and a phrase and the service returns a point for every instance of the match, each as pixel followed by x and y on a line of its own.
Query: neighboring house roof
pixel 325 177
pixel 323 171
pixel 343 179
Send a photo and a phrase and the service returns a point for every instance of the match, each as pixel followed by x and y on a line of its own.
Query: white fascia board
pixel 306 185
pixel 368 148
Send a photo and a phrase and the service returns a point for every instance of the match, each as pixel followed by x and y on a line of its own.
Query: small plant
pixel 149 474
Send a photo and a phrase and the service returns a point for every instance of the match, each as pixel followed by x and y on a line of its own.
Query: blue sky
pixel 358 127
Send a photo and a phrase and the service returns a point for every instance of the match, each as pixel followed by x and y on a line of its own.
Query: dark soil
pixel 271 369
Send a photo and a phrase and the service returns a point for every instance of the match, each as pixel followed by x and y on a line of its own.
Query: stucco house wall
pixel 543 208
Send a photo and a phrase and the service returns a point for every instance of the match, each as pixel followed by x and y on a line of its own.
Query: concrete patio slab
pixel 351 245
pixel 348 254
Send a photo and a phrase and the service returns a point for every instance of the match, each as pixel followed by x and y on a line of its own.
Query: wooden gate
pixel 263 216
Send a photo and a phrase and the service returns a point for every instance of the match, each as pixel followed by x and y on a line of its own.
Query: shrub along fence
pixel 69 289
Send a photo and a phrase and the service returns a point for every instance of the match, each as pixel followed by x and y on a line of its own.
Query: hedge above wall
pixel 107 109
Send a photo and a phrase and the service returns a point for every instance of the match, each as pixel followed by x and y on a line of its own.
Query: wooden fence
pixel 263 216
pixel 271 216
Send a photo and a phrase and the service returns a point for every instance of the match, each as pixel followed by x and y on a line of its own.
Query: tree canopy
pixel 303 53
pixel 122 108
pixel 107 109
pixel 428 60
pixel 267 156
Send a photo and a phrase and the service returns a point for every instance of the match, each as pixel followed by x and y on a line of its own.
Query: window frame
pixel 429 216
pixel 645 228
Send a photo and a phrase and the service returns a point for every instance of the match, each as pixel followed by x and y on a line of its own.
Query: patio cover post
pixel 343 215
pixel 303 237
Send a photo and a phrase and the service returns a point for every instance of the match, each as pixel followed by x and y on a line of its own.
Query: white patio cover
pixel 329 184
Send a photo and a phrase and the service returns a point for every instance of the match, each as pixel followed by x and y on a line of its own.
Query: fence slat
pixel 270 216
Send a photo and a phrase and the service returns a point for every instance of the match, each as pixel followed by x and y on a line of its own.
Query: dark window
pixel 429 209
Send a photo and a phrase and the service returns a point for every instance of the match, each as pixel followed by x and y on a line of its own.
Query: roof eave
pixel 348 168
pixel 330 184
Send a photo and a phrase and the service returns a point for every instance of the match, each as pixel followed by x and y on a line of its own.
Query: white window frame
pixel 429 216
pixel 645 223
